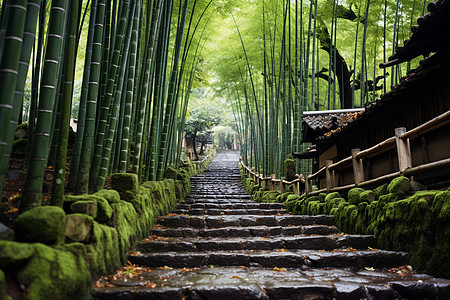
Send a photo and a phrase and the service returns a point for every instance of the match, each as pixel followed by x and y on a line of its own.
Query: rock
pixel 126 184
pixel 400 186
pixel 88 207
pixel 78 227
pixel 13 254
pixel 354 196
pixel 289 165
pixel 381 190
pixel 112 196
pixel 20 147
pixel 45 224
pixel 104 210
pixel 171 173
pixel 55 274
pixel 14 174
pixel 6 233
pixel 367 196
pixel 21 133
pixel 417 186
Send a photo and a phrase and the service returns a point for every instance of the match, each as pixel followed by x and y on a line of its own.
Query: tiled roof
pixel 432 34
pixel 320 122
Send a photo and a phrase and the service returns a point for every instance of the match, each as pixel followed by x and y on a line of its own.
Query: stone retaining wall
pixel 401 215
pixel 58 251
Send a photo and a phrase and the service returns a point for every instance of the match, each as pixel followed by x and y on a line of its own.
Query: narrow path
pixel 218 244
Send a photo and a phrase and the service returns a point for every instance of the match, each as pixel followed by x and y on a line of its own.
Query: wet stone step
pixel 216 201
pixel 275 283
pixel 236 197
pixel 287 259
pixel 196 211
pixel 245 205
pixel 243 221
pixel 327 242
pixel 254 231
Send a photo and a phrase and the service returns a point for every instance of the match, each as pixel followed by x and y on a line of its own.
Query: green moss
pixel 353 196
pixel 367 196
pixel 391 197
pixel 55 274
pixel 104 210
pixel 290 202
pixel 20 147
pixel 88 207
pixel 289 165
pixel 269 196
pixel 43 224
pixel 112 196
pixel 126 184
pixel 331 196
pixel 381 190
pixel 400 185
pixel 2 285
pixel 283 197
pixel 125 220
pixel 103 256
pixel 171 173
pixel 14 254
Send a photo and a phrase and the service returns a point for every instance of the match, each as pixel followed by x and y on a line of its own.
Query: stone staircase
pixel 218 244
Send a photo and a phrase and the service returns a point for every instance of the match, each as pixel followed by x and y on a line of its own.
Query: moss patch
pixel 43 224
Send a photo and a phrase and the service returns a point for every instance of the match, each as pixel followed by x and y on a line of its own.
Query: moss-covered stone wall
pixel 58 251
pixel 400 215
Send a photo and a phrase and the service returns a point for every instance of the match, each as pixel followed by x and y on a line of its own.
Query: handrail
pixel 400 142
pixel 382 147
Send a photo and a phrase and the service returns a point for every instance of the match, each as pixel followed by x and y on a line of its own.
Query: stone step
pixel 270 259
pixel 213 211
pixel 225 196
pixel 174 221
pixel 254 231
pixel 245 205
pixel 192 244
pixel 264 283
pixel 216 201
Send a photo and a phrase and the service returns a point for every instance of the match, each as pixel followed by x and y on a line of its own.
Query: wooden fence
pixel 273 184
pixel 358 158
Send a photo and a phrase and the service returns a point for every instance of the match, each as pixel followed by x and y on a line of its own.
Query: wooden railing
pixel 400 142
pixel 271 183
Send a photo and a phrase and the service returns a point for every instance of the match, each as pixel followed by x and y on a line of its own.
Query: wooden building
pixel 421 96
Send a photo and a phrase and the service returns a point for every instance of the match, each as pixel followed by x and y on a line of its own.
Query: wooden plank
pixel 317 174
pixel 340 164
pixel 441 164
pixel 379 179
pixel 358 170
pixel 378 149
pixel 426 127
pixel 403 150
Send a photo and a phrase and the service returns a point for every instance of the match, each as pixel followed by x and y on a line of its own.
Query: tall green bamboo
pixel 69 74
pixel 32 12
pixel 38 157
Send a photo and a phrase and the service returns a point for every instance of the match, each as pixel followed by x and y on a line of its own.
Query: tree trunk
pixel 342 72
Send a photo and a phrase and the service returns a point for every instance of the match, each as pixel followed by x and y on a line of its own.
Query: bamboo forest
pixel 219 149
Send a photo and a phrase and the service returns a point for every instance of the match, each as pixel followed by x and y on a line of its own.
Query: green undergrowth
pixel 401 219
pixel 58 251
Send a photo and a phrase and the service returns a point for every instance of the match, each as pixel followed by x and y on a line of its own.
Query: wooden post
pixel 254 175
pixel 272 176
pixel 308 185
pixel 358 170
pixel 403 150
pixel 328 176
pixel 282 185
pixel 263 184
pixel 296 187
